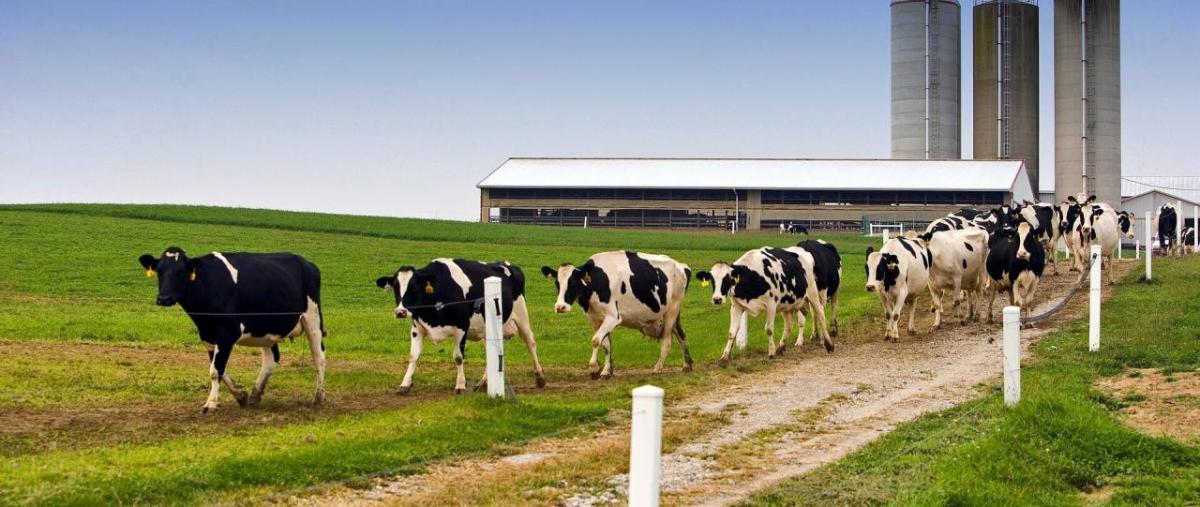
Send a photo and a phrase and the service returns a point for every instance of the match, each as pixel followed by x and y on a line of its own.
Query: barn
pixel 709 193
pixel 1151 200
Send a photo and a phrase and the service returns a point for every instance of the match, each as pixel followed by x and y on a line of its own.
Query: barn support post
pixel 1149 244
pixel 1094 301
pixel 1196 229
pixel 1177 245
pixel 1012 355
pixel 495 336
pixel 645 446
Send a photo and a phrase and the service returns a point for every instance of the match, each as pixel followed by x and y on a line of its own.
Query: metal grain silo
pixel 1006 82
pixel 1087 98
pixel 926 72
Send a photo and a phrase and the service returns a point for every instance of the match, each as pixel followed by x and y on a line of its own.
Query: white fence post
pixel 645 447
pixel 741 340
pixel 1195 229
pixel 884 233
pixel 1012 355
pixel 1137 249
pixel 494 325
pixel 1177 245
pixel 585 217
pixel 1094 305
pixel 1149 244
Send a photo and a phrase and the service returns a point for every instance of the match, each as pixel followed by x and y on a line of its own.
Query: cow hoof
pixel 208 408
pixel 255 399
pixel 687 368
pixel 460 390
pixel 770 356
pixel 242 399
pixel 723 362
pixel 595 375
pixel 606 376
pixel 319 400
pixel 829 348
pixel 540 381
pixel 404 390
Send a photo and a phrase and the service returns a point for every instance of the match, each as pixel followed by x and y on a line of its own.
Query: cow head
pixel 175 274
pixel 1002 217
pixel 722 277
pixel 409 287
pixel 1125 223
pixel 571 282
pixel 1024 238
pixel 882 270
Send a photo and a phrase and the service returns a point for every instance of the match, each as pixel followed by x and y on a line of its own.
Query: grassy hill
pixel 100 389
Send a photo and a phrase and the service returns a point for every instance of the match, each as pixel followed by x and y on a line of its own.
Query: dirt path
pixel 806 411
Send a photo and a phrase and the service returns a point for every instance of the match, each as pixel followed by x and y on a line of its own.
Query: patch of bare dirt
pixel 810 409
pixel 1159 404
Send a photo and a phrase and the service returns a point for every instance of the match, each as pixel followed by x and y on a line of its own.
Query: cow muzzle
pixel 402 313
pixel 165 301
pixel 870 287
pixel 1023 255
pixel 562 308
pixel 717 300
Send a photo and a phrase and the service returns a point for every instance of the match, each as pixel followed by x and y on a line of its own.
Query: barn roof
pixel 763 174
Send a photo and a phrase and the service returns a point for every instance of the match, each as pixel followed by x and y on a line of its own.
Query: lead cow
pixel 441 299
pixel 248 299
pixel 635 290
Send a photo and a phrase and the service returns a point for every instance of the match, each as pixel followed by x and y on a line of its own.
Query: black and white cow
pixel 1046 220
pixel 248 299
pixel 1015 263
pixel 898 272
pixel 774 280
pixel 827 271
pixel 956 221
pixel 1189 240
pixel 631 289
pixel 1166 218
pixel 1107 229
pixel 440 298
pixel 1076 229
pixel 957 267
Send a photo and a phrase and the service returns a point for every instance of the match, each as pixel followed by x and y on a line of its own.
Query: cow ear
pixel 1071 199
pixel 548 272
pixel 384 282
pixel 1091 199
pixel 148 261
pixel 704 276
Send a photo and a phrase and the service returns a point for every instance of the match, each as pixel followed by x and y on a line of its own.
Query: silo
pixel 1087 92
pixel 926 73
pixel 1006 82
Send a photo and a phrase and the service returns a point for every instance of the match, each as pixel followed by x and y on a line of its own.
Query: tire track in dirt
pixel 808 410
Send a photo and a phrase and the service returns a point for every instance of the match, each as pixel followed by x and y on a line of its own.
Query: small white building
pixel 757 193
pixel 1151 200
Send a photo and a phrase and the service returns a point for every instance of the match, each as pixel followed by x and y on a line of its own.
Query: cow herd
pixel 964 260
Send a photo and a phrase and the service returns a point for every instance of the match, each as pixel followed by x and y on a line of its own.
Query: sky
pixel 400 107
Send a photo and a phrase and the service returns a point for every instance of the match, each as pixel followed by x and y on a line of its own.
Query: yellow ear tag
pixel 192 277
pixel 704 283
pixel 149 273
pixel 587 278
pixel 429 287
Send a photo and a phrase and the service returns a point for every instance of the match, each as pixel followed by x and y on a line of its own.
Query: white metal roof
pixel 763 174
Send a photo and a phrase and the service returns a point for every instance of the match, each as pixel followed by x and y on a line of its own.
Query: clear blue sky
pixel 399 108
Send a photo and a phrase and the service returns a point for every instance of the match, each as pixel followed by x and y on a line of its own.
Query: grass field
pixel 1062 445
pixel 100 390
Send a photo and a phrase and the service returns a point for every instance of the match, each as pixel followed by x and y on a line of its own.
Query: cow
pixel 1189 240
pixel 1046 220
pixel 898 272
pixel 1015 262
pixel 957 266
pixel 1107 229
pixel 442 300
pixel 792 228
pixel 1166 219
pixel 636 290
pixel 1076 229
pixel 958 220
pixel 770 279
pixel 256 300
pixel 827 271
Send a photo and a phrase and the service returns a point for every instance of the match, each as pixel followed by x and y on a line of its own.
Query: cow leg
pixel 460 351
pixel 607 371
pixel 416 343
pixel 912 316
pixel 668 329
pixel 787 329
pixel 818 312
pixel 216 371
pixel 606 327
pixel 521 317
pixel 833 310
pixel 769 327
pixel 682 337
pixel 735 324
pixel 936 299
pixel 238 393
pixel 311 322
pixel 270 359
pixel 800 323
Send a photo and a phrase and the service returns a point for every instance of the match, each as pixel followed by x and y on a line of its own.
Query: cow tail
pixel 679 327
pixel 687 279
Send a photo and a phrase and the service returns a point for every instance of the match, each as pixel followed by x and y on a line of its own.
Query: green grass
pixel 1061 442
pixel 101 389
